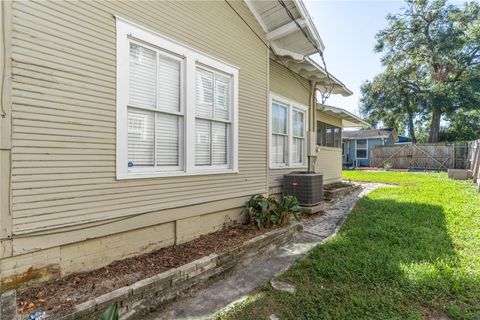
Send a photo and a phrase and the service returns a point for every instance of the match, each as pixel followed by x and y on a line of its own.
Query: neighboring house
pixel 403 139
pixel 130 126
pixel 357 145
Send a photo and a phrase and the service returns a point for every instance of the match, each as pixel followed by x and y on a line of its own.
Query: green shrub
pixel 266 212
pixel 288 205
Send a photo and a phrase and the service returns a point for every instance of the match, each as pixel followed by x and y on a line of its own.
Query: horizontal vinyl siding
pixel 285 83
pixel 329 160
pixel 289 84
pixel 64 110
pixel 329 164
pixel 324 117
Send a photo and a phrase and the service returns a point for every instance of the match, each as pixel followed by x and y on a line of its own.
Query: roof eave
pixel 301 48
pixel 303 42
pixel 311 26
pixel 349 119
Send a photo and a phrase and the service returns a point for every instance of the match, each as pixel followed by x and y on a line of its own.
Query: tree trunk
pixel 411 128
pixel 435 126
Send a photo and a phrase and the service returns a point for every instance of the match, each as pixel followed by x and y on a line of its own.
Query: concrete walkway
pixel 205 303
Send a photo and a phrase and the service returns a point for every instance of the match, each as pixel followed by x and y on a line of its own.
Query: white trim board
pixel 291 104
pixel 366 149
pixel 128 32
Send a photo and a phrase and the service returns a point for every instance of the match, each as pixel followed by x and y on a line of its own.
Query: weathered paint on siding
pixel 283 82
pixel 63 155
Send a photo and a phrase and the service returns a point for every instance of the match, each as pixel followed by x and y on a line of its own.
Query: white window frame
pixel 366 149
pixel 203 168
pixel 291 105
pixel 127 32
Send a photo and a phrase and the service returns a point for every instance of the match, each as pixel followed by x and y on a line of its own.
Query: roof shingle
pixel 365 134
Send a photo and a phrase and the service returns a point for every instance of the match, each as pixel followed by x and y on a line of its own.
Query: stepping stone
pixel 282 286
pixel 274 317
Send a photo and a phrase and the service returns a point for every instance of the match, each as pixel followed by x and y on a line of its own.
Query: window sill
pixel 329 148
pixel 147 175
pixel 288 167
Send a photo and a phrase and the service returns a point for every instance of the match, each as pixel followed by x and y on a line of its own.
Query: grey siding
pixel 352 151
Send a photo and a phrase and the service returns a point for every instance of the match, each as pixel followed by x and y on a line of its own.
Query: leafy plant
pixel 289 204
pixel 111 313
pixel 265 212
pixel 387 166
pixel 259 209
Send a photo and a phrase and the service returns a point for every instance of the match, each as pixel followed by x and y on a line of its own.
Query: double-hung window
pixel 361 147
pixel 176 108
pixel 288 121
pixel 155 111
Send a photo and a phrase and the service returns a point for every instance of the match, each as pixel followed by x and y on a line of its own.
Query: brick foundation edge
pixel 149 294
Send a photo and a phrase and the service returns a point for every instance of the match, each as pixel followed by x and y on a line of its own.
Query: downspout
pixel 312 152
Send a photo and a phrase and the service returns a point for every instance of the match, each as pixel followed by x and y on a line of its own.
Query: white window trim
pixel 366 149
pixel 127 31
pixel 291 104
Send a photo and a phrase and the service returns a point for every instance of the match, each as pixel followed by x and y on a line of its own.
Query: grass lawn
pixel 408 252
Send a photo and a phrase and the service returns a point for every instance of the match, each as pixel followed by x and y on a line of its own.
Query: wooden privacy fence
pixel 428 156
pixel 474 161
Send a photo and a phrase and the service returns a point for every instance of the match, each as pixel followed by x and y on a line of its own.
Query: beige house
pixel 130 126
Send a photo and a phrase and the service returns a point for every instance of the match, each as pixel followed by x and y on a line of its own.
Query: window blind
pixel 172 120
pixel 204 92
pixel 279 149
pixel 212 124
pixel 279 118
pixel 222 97
pixel 298 136
pixel 140 137
pixel 168 128
pixel 169 84
pixel 154 83
pixel 279 134
pixel 143 76
pixel 298 124
pixel 202 142
pixel 297 152
pixel 219 143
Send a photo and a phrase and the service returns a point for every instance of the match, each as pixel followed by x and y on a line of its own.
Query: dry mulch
pixel 58 295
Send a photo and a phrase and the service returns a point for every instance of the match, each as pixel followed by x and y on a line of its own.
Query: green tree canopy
pixel 432 51
pixel 388 100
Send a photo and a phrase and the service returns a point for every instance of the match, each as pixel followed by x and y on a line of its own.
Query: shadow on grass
pixel 391 260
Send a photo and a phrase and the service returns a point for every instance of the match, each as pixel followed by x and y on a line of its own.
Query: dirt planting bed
pixel 58 295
